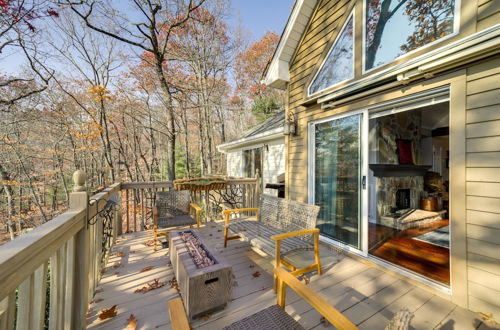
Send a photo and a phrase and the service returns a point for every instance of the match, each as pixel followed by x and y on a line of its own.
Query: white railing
pixel 49 275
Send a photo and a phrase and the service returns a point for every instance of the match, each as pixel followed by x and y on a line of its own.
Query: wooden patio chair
pixel 275 316
pixel 173 209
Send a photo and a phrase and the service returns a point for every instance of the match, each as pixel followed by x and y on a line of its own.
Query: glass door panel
pixel 337 174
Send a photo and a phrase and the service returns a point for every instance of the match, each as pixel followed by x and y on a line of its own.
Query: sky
pixel 260 16
pixel 256 17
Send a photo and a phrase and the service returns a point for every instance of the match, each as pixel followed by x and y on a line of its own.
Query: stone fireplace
pixel 387 192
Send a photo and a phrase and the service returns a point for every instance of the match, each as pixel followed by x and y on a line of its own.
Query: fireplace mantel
pixel 396 170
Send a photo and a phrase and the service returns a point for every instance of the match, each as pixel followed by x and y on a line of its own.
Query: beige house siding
pixel 488 13
pixel 483 180
pixel 475 150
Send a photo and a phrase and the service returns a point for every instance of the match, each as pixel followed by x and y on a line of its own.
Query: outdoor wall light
pixel 290 125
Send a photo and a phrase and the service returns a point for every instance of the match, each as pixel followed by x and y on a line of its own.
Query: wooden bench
pixel 280 227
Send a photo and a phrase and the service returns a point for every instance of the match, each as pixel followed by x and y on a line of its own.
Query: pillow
pixel 405 155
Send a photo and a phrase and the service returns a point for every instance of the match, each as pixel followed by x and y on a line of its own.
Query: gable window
pixel 396 27
pixel 339 63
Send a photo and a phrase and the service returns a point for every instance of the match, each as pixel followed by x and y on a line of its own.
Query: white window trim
pixel 331 49
pixel 311 164
pixel 456 30
pixel 433 96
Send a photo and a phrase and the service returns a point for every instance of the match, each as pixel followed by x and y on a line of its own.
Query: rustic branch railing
pixel 49 275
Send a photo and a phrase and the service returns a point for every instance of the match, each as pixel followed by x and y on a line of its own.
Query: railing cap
pixel 79 179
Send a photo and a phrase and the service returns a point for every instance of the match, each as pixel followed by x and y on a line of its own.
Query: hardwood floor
pixel 399 248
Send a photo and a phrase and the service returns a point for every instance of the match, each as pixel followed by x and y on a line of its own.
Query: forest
pixel 137 90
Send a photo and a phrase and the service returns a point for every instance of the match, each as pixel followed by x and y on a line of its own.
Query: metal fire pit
pixel 202 289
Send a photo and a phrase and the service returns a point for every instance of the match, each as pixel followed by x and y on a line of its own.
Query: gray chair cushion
pixel 271 318
pixel 181 220
pixel 259 235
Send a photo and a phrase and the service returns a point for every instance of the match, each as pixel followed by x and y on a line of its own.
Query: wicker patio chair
pixel 173 209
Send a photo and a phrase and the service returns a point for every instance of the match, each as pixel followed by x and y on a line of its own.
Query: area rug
pixel 439 237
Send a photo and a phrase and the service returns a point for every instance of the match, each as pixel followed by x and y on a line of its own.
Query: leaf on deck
pixel 145 269
pixel 205 317
pixel 119 254
pixel 131 323
pixel 150 286
pixel 117 265
pixel 256 274
pixel 325 322
pixel 108 313
pixel 251 266
pixel 150 242
pixel 174 284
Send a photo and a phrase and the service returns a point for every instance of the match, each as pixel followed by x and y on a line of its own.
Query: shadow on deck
pixel 369 297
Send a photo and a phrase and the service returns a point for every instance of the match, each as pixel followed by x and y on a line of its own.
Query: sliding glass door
pixel 337 178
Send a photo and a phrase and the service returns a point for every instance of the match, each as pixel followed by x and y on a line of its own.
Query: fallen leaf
pixel 119 254
pixel 256 274
pixel 205 317
pixel 305 279
pixel 263 288
pixel 131 251
pixel 145 269
pixel 150 242
pixel 210 234
pixel 131 323
pixel 251 266
pixel 108 313
pixel 117 265
pixel 219 230
pixel 174 284
pixel 324 321
pixel 150 286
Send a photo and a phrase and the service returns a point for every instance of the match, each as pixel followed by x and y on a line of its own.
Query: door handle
pixel 363 182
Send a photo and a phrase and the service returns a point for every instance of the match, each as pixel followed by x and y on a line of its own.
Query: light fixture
pixel 290 125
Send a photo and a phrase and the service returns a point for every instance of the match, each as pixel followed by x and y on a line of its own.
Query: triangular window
pixel 339 63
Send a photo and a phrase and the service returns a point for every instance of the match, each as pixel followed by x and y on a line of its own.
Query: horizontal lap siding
pixel 323 27
pixel 488 13
pixel 483 179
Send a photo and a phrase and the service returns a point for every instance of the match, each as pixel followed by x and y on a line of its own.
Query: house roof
pixel 269 129
pixel 277 72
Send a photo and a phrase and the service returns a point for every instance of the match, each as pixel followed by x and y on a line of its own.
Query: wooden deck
pixel 366 295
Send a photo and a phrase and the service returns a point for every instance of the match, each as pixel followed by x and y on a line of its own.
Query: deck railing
pixel 49 275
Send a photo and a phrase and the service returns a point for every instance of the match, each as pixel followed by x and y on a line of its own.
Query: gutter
pixel 262 137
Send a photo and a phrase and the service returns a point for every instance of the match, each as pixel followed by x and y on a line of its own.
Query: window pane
pixel 395 27
pixel 337 178
pixel 338 65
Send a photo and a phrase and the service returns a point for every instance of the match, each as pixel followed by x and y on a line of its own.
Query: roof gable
pixel 277 73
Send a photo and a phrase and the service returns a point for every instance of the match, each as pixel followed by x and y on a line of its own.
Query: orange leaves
pixel 256 274
pixel 145 269
pixel 100 92
pixel 131 322
pixel 11 183
pixel 150 286
pixel 108 313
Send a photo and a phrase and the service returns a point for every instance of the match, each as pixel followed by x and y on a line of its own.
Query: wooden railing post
pixel 79 199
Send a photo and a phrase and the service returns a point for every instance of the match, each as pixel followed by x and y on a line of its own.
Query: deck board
pixel 368 296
